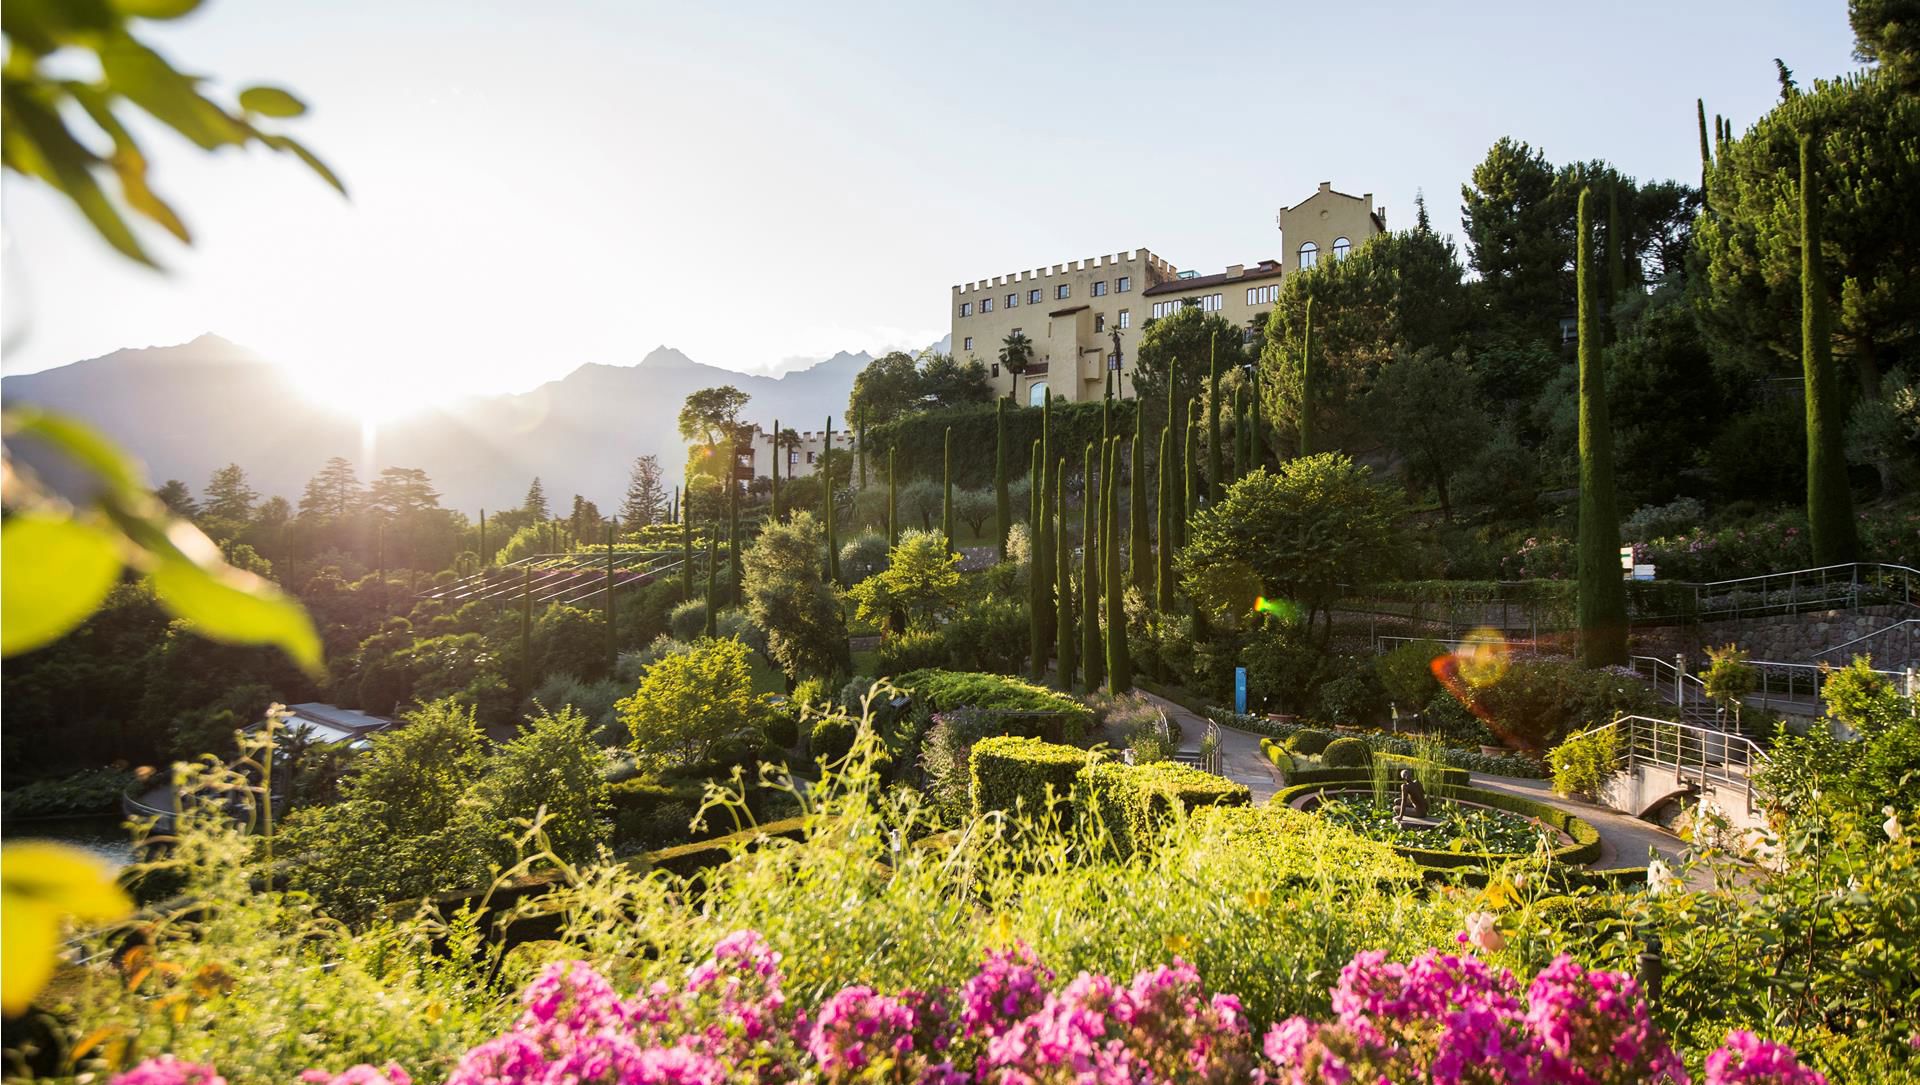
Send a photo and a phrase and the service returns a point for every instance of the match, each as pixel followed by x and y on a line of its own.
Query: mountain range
pixel 188 410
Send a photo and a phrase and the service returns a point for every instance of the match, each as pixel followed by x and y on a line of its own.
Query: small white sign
pixel 1643 572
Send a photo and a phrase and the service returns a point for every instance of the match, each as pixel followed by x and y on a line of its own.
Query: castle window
pixel 1033 297
pixel 1341 248
pixel 1013 300
pixel 1037 394
pixel 1309 255
pixel 1099 322
pixel 969 343
pixel 986 305
pixel 1100 289
pixel 996 370
pixel 1250 293
pixel 1123 284
pixel 966 308
pixel 1126 320
pixel 1063 291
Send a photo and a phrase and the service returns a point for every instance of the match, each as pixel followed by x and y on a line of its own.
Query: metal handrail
pixel 1869 636
pixel 1690 750
pixel 1814 674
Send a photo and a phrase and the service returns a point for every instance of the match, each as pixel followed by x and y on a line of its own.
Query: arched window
pixel 1037 394
pixel 1309 255
pixel 1341 248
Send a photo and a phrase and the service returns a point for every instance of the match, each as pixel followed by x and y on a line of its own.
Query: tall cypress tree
pixel 1140 544
pixel 1119 661
pixel 613 636
pixel 1163 596
pixel 1093 660
pixel 946 482
pixel 1602 599
pixel 860 450
pixel 1829 500
pixel 686 555
pixel 1239 431
pixel 1037 601
pixel 1063 592
pixel 1706 151
pixel 1192 469
pixel 1214 457
pixel 713 566
pixel 826 487
pixel 733 538
pixel 1043 553
pixel 773 475
pixel 1256 435
pixel 1002 506
pixel 1305 426
pixel 893 504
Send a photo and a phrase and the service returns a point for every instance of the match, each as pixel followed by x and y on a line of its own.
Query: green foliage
pixel 1536 702
pixel 1310 742
pixel 862 556
pixel 1829 499
pixel 787 596
pixel 1582 763
pixel 1024 776
pixel 1136 803
pixel 1728 676
pixel 1182 344
pixel 1317 528
pixel 687 620
pixel 945 691
pixel 1602 602
pixel 915 649
pixel 921 580
pixel 1347 753
pixel 1406 673
pixel 1351 697
pixel 89 791
pixel 918 441
pixel 651 814
pixel 553 770
pixel 689 702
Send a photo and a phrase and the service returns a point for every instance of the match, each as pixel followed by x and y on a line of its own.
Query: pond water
pixel 104 836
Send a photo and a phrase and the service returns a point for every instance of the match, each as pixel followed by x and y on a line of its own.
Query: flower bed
pixel 1579 840
pixel 1441 1017
pixel 1463 826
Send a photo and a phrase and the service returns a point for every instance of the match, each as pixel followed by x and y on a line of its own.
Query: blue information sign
pixel 1240 690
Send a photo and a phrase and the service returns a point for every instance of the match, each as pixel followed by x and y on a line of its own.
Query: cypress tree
pixel 1043 552
pixel 1214 457
pixel 1192 469
pixel 1163 597
pixel 526 628
pixel 733 537
pixel 613 639
pixel 1140 544
pixel 1829 501
pixel 826 487
pixel 1092 658
pixel 860 450
pixel 1602 599
pixel 1063 592
pixel 1706 151
pixel 1306 384
pixel 481 553
pixel 774 475
pixel 713 565
pixel 893 504
pixel 1037 601
pixel 1239 431
pixel 686 556
pixel 946 481
pixel 1256 434
pixel 1002 506
pixel 1119 661
pixel 1616 257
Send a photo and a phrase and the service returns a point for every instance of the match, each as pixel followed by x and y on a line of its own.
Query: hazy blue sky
pixel 535 186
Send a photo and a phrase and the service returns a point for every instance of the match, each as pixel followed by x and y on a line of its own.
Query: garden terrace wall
pixel 1585 848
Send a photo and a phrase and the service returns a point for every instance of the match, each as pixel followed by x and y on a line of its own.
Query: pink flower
pixel 167 1070
pixel 1745 1059
pixel 363 1074
pixel 1483 933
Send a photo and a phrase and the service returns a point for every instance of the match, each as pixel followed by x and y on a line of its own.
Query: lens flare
pixel 1283 609
pixel 1483 656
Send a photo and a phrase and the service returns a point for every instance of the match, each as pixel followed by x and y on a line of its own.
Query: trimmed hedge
pixel 1311 742
pixel 1135 802
pixel 1277 754
pixel 1443 774
pixel 832 737
pixel 1383 742
pixel 1015 772
pixel 943 691
pixel 1288 847
pixel 689 859
pixel 1449 777
pixel 1584 849
pixel 1347 753
pixel 648 813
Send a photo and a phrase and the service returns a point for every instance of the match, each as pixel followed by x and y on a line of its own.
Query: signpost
pixel 1240 690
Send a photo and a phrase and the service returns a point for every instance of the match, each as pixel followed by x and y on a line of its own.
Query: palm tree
pixel 1016 352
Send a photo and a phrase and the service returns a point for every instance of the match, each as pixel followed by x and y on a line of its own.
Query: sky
pixel 533 187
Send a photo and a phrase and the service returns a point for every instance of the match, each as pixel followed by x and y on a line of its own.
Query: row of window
pixel 1310 252
pixel 1262 295
pixel 1061 292
pixel 1208 303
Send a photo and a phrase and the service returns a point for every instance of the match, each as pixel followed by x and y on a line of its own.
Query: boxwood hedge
pixel 1134 802
pixel 1585 848
pixel 1012 772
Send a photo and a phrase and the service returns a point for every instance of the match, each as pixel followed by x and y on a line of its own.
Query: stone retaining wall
pixel 1790 638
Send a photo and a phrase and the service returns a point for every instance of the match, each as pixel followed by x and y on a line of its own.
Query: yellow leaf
pixel 42 883
pixel 54 572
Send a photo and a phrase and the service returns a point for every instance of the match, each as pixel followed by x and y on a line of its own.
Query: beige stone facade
pixel 1077 314
pixel 799 462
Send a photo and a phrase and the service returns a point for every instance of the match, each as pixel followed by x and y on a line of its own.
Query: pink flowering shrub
pixel 1440 1018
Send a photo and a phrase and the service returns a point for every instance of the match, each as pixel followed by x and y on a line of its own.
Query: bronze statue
pixel 1413 797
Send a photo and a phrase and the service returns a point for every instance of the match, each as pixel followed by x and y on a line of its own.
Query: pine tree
pixel 1256 435
pixel 826 487
pixel 645 494
pixel 946 482
pixel 1037 601
pixel 1119 660
pixel 228 497
pixel 1093 662
pixel 713 568
pixel 686 556
pixel 1214 457
pixel 733 537
pixel 535 505
pixel 1305 427
pixel 1063 592
pixel 1163 596
pixel 1829 500
pixel 1140 543
pixel 333 494
pixel 1616 256
pixel 1602 599
pixel 1002 505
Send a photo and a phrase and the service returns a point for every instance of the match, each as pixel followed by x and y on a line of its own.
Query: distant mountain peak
pixel 666 357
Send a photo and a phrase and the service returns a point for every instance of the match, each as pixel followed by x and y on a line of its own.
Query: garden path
pixel 1624 839
pixel 1240 758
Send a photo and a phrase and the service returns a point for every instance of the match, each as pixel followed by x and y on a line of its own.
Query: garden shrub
pixel 990 636
pixel 1353 696
pixel 913 650
pixel 1134 803
pixel 1446 715
pixel 648 814
pixel 832 737
pixel 688 621
pixel 686 860
pixel 1281 845
pixel 1310 742
pixel 1347 753
pixel 1406 673
pixel 690 701
pixel 943 691
pixel 1537 702
pixel 862 556
pixel 89 791
pixel 1016 773
pixel 1277 753
pixel 1583 762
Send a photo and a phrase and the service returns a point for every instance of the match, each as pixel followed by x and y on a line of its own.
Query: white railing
pixel 1823 587
pixel 1801 685
pixel 1694 753
pixel 1906 624
pixel 1671 679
